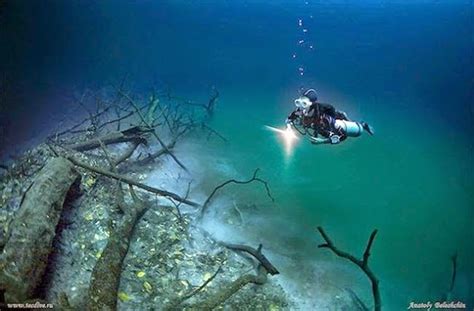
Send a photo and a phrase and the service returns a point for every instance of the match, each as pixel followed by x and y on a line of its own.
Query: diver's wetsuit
pixel 320 118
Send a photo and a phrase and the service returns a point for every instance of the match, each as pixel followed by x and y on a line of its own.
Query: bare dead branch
pixel 254 178
pixel 132 182
pixel 449 293
pixel 157 154
pixel 212 102
pixel 128 135
pixel 107 156
pixel 368 247
pixel 453 276
pixel 362 264
pixel 256 253
pixel 128 153
pixel 92 117
pixel 177 205
pixel 153 131
pixel 212 131
pixel 357 301
pixel 200 288
pixel 173 305
pixel 117 120
pixel 226 291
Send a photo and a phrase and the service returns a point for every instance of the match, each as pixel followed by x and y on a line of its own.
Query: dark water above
pixel 404 66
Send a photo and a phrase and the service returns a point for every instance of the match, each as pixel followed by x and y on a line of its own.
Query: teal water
pixel 412 185
pixel 404 66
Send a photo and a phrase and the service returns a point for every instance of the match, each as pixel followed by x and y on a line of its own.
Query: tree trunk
pixel 30 239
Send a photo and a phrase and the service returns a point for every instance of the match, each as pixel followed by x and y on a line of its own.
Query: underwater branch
pixel 152 129
pixel 134 135
pixel 132 182
pixel 30 239
pixel 233 181
pixel 363 263
pixel 105 278
pixel 256 253
pixel 226 291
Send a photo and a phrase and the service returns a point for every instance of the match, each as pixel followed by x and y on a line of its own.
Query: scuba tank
pixel 350 128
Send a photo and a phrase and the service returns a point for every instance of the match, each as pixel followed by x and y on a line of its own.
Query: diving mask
pixel 303 102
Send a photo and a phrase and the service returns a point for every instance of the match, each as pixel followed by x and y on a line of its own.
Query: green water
pixel 413 184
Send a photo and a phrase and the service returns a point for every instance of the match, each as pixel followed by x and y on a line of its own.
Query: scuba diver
pixel 323 122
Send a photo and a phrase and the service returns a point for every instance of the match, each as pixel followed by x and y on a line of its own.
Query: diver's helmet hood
pixel 303 102
pixel 311 95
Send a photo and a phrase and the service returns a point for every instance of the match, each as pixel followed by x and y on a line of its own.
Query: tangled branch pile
pixel 91 231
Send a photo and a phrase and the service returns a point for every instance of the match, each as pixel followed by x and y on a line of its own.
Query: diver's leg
pixel 369 129
pixel 342 115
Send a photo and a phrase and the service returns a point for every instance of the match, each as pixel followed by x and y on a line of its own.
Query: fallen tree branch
pixel 212 102
pixel 254 178
pixel 105 278
pixel 213 131
pixel 256 253
pixel 74 127
pixel 209 107
pixel 357 301
pixel 453 276
pixel 361 263
pixel 128 153
pixel 117 120
pixel 130 135
pixel 108 157
pixel 92 118
pixel 177 205
pixel 173 305
pixel 157 154
pixel 132 182
pixel 153 131
pixel 226 291
pixel 30 238
pixel 448 295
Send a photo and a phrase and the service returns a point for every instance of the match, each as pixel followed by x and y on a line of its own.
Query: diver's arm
pixel 293 116
pixel 333 139
pixel 319 140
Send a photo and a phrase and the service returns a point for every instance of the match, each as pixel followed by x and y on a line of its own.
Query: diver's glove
pixel 335 139
pixel 319 141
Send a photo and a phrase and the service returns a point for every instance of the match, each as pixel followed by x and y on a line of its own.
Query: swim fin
pixel 368 128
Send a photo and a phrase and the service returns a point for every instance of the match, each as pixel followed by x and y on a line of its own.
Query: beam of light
pixel 287 136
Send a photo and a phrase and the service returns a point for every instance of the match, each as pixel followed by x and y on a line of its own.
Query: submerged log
pixel 30 238
pixel 105 279
pixel 135 134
